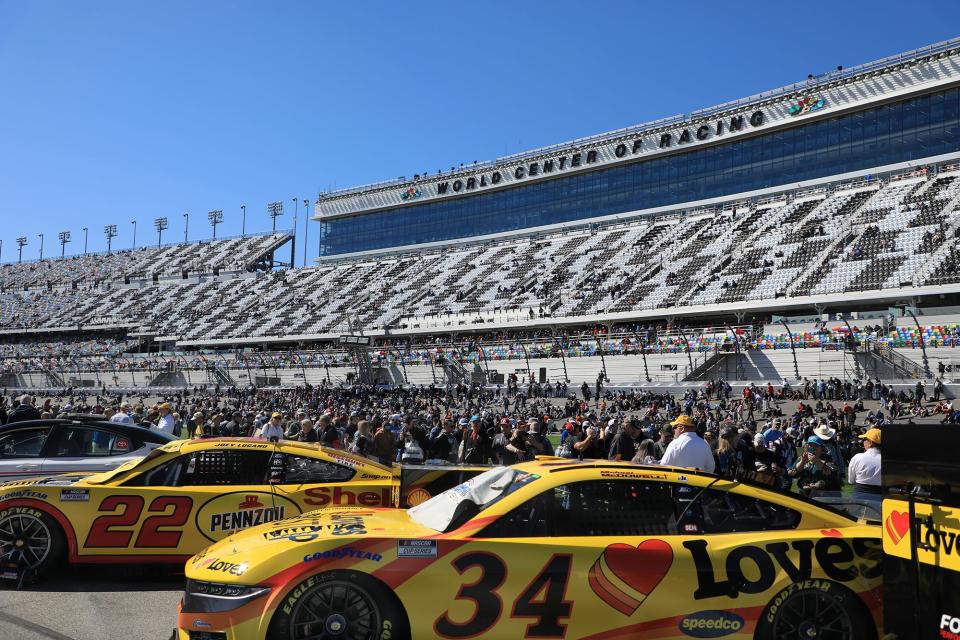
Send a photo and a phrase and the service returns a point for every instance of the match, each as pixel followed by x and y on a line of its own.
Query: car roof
pixel 285 446
pixel 129 430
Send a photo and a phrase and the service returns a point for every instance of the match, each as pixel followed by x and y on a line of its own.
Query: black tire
pixel 818 610
pixel 31 536
pixel 340 605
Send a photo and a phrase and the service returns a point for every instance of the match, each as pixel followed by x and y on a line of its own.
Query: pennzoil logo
pixel 807 105
pixel 231 512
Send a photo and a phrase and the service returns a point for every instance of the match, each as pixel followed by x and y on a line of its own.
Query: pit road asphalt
pixel 92 603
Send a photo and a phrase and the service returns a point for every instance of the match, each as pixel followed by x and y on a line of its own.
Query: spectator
pixel 23 410
pixel 624 445
pixel 165 422
pixel 123 416
pixel 687 448
pixel 272 429
pixel 863 472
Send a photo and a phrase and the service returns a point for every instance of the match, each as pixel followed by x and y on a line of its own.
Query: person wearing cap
pixel 863 472
pixel 624 444
pixel 815 470
pixel 688 449
pixel 165 422
pixel 475 443
pixel 272 429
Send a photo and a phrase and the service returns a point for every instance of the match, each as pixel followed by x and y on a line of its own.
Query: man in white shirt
pixel 123 416
pixel 863 471
pixel 687 448
pixel 165 423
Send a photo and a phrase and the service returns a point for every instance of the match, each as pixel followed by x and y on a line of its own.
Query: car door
pixel 580 558
pixel 313 482
pixel 179 507
pixel 21 451
pixel 75 448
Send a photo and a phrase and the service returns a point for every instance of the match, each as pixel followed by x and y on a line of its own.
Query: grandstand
pixel 862 219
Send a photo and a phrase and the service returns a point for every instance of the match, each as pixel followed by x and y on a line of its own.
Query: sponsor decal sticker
pixel 24 493
pixel 224 515
pixel 338 496
pixel 418 495
pixel 309 530
pixel 949 627
pixel 337 554
pixel 711 624
pixel 407 548
pixel 633 474
pixel 623 576
pixel 75 495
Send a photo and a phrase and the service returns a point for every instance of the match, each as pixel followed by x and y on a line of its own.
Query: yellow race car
pixel 549 549
pixel 181 497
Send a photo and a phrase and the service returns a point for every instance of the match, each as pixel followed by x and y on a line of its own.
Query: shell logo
pixel 418 495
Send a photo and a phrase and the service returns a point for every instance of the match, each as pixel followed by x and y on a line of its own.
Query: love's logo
pixel 623 576
pixel 897 525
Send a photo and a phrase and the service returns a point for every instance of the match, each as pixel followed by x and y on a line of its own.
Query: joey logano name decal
pixel 754 568
pixel 230 512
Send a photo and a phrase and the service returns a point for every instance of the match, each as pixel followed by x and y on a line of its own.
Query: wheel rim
pixel 24 535
pixel 335 610
pixel 813 615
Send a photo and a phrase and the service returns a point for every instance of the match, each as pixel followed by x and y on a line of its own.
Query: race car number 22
pixel 110 531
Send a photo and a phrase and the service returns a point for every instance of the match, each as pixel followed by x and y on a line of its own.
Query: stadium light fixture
pixel 111 232
pixel 160 224
pixel 64 237
pixel 215 217
pixel 275 209
pixel 243 226
pixel 306 228
pixel 41 245
pixel 186 226
pixel 85 232
pixel 21 241
pixel 134 223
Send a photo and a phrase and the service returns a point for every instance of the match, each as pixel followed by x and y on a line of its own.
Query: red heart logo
pixel 639 568
pixel 831 533
pixel 897 525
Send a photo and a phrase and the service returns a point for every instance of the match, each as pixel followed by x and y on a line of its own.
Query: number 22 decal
pixel 104 535
pixel 547 611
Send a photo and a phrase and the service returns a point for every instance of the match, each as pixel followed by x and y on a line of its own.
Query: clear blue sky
pixel 111 111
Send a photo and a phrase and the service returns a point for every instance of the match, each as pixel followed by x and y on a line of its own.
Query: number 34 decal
pixel 542 600
pixel 126 511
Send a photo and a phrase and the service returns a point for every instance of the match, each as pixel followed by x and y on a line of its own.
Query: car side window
pixel 303 470
pixel 214 467
pixel 82 442
pixel 621 507
pixel 23 443
pixel 731 512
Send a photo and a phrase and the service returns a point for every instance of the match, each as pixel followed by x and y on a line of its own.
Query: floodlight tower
pixel 111 232
pixel 64 237
pixel 306 228
pixel 41 245
pixel 275 209
pixel 85 232
pixel 243 228
pixel 21 242
pixel 215 217
pixel 134 223
pixel 160 224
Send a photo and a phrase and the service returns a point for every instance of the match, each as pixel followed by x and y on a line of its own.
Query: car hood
pixel 255 555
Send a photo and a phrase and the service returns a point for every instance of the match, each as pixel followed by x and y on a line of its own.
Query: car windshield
pixel 455 506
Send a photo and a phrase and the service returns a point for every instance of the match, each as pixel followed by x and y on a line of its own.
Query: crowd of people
pixel 805 439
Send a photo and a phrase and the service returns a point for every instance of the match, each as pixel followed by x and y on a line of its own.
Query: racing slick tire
pixel 31 537
pixel 340 604
pixel 816 609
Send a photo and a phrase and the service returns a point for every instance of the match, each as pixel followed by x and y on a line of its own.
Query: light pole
pixel 215 217
pixel 64 237
pixel 41 245
pixel 243 227
pixel 160 224
pixel 275 209
pixel 134 223
pixel 306 228
pixel 186 226
pixel 85 230
pixel 21 241
pixel 296 212
pixel 111 232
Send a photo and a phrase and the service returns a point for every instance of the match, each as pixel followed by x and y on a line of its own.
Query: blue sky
pixel 114 111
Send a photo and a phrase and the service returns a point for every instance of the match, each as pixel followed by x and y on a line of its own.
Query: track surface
pixel 92 603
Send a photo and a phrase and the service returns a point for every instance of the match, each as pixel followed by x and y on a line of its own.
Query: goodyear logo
pixel 711 624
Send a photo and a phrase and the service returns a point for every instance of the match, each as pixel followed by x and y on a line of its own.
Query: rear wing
pixel 420 482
